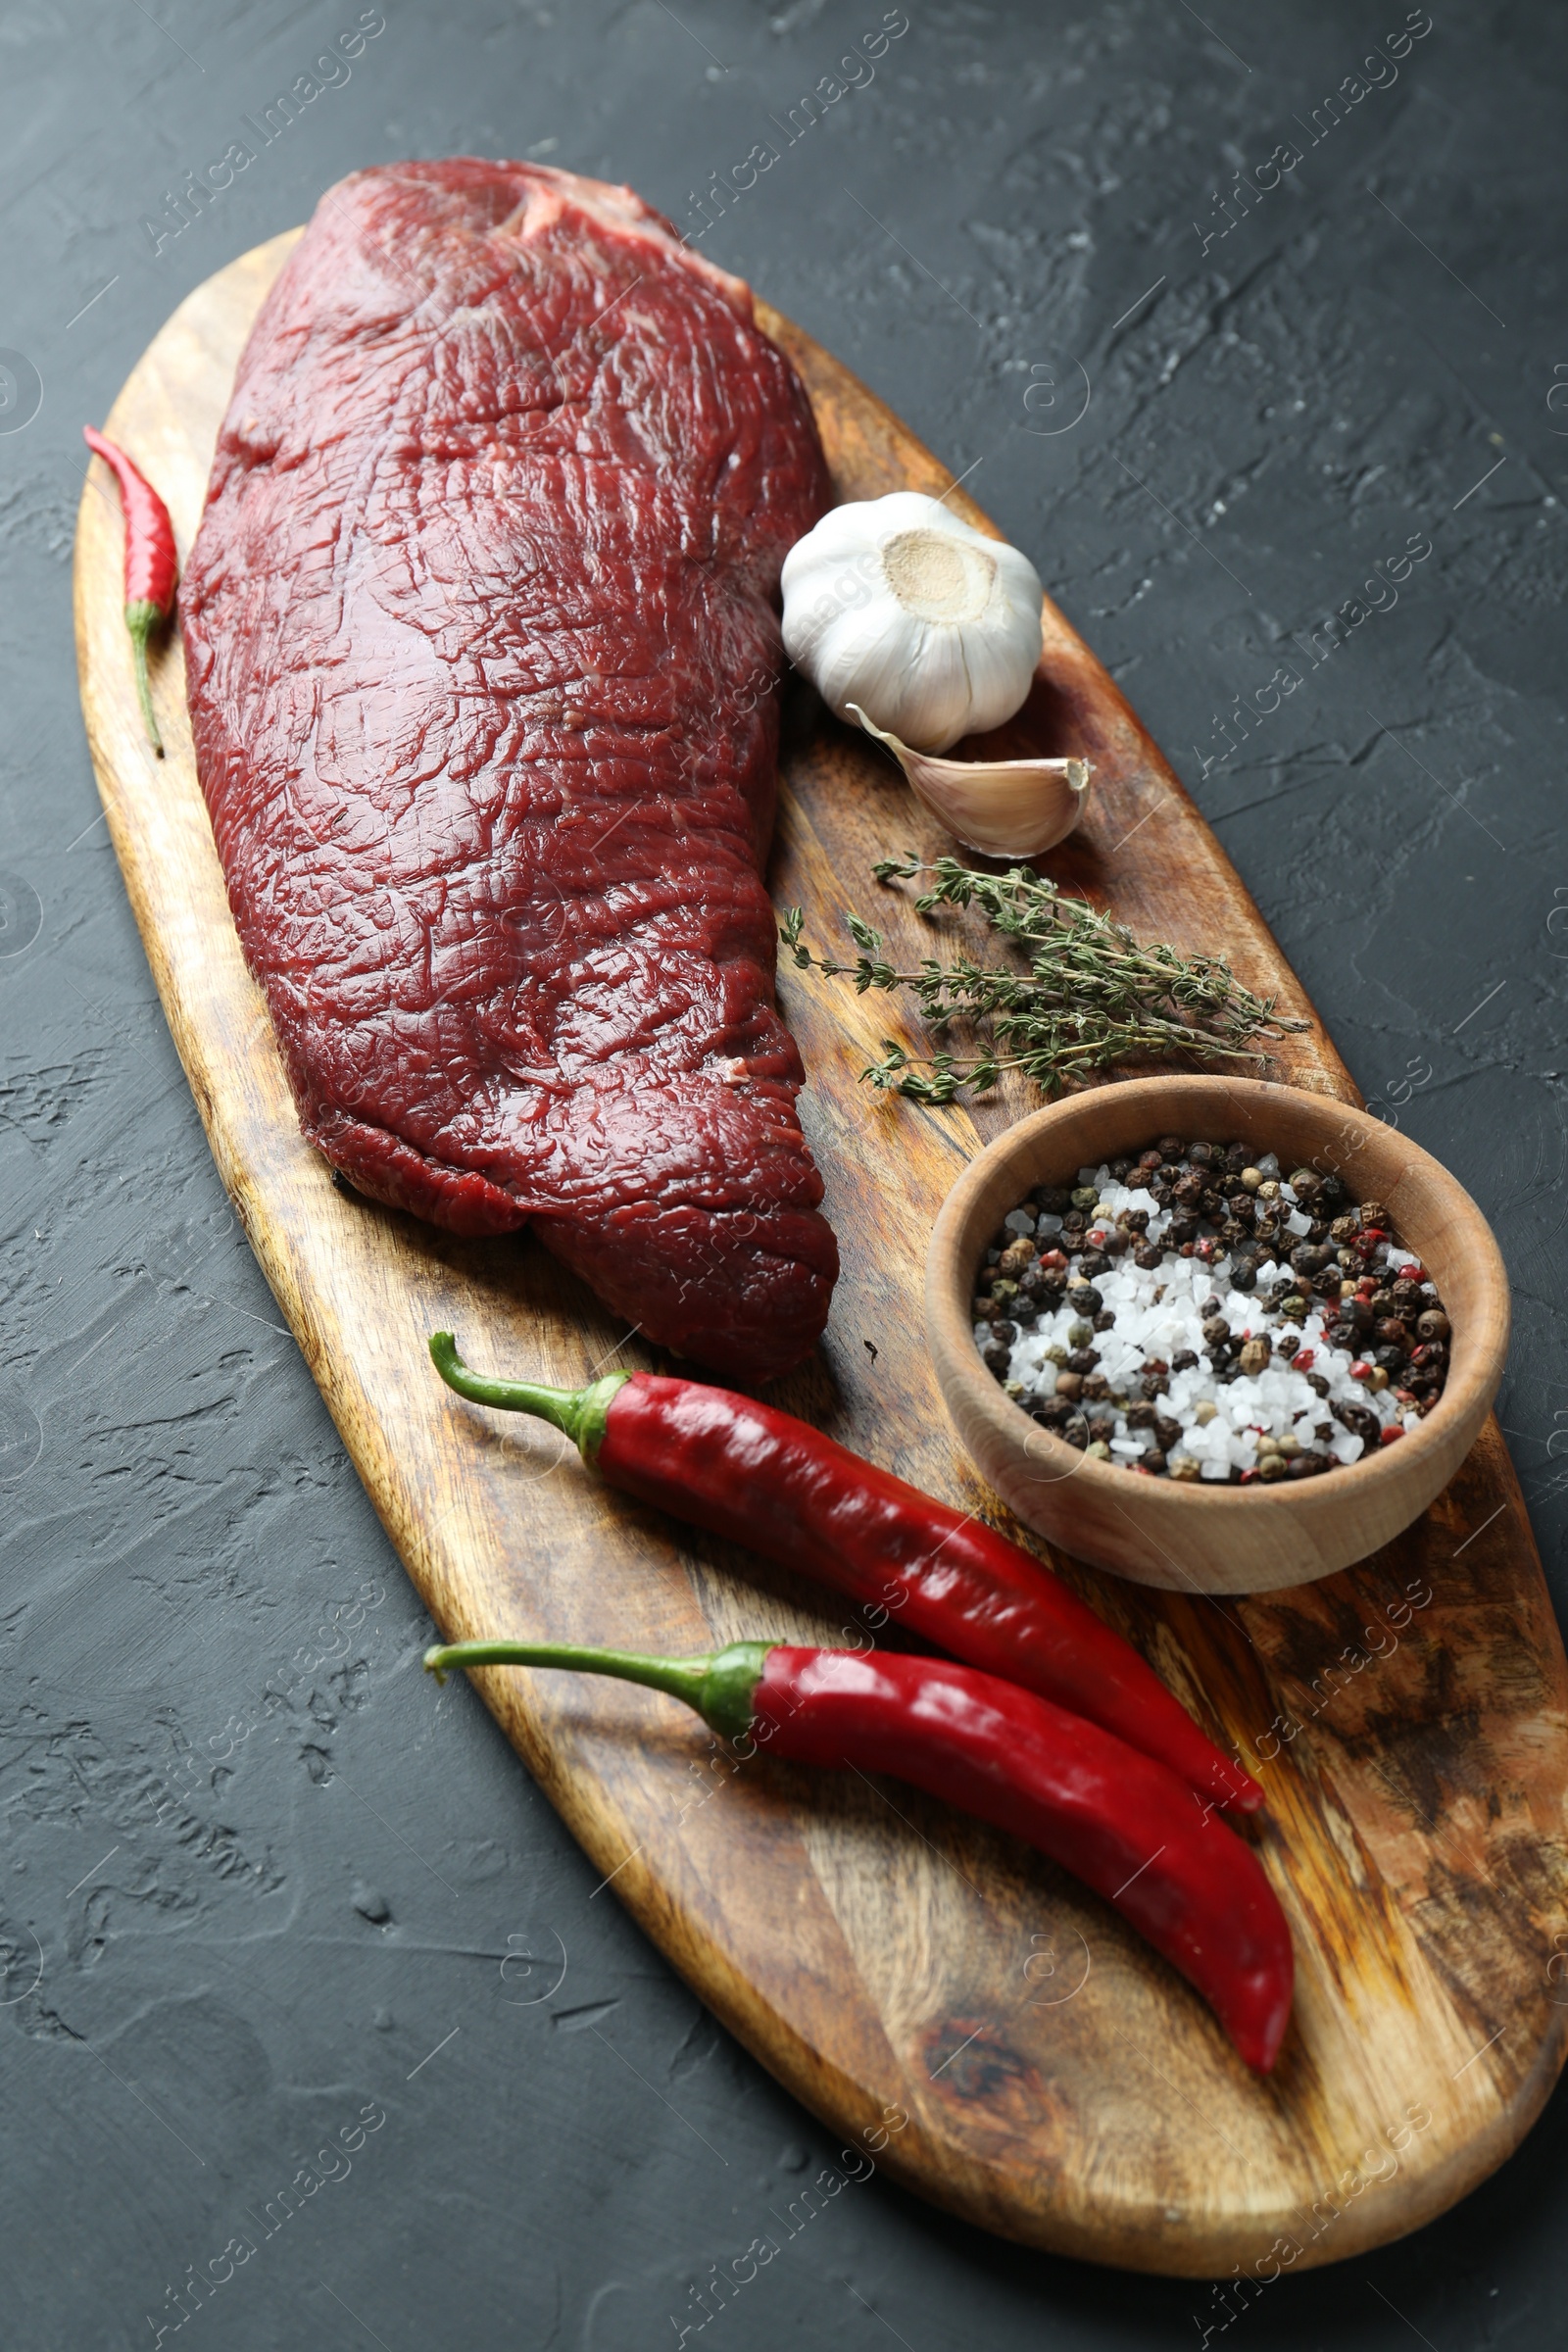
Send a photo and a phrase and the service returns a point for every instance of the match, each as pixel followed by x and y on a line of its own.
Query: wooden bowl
pixel 1217 1539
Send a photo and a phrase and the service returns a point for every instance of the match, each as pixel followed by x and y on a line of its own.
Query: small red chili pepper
pixel 762 1478
pixel 1125 1823
pixel 151 565
pixel 1396 1429
pixel 1361 1370
pixel 1303 1359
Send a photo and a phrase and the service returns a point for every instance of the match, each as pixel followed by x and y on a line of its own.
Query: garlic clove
pixel 1004 808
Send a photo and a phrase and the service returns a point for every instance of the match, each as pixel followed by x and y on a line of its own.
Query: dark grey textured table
pixel 257 1896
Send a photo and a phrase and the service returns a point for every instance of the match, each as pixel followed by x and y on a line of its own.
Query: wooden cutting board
pixel 957 2009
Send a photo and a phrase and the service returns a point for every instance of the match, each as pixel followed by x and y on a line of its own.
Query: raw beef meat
pixel 481 638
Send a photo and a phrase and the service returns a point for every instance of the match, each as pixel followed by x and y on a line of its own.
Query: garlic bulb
pixel 896 605
pixel 1004 808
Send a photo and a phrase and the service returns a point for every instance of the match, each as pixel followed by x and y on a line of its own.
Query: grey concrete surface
pixel 259 1892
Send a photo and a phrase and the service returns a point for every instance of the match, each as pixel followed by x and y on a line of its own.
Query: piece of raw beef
pixel 481 637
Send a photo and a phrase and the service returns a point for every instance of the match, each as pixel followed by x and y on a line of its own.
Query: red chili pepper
pixel 762 1478
pixel 1303 1359
pixel 151 564
pixel 1119 1820
pixel 1396 1429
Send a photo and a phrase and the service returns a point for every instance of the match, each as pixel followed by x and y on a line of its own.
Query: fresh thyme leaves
pixel 1089 994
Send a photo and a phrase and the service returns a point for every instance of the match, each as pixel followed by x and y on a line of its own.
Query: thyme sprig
pixel 1091 994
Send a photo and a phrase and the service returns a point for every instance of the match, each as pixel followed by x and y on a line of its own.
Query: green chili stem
pixel 141 619
pixel 579 1412
pixel 721 1687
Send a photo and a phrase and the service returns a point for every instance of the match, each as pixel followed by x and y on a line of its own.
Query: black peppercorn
pixel 1083 1359
pixel 1184 1361
pixel 1083 1298
pixel 1104 1320
pixel 1167 1433
pixel 1171 1148
pixel 1149 1257
pixel 1244 1274
pixel 1317 1381
pixel 1049 1411
pixel 996 1359
pixel 1075 1428
pixel 1152 1461
pixel 1140 1415
pixel 1216 1330
pixel 1360 1420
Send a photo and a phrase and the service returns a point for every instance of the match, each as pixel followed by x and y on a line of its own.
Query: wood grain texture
pixel 1201 1538
pixel 874 1950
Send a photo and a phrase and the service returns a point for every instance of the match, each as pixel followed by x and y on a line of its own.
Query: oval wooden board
pixel 877 1952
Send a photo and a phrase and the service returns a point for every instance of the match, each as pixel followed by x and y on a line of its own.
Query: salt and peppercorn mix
pixel 1191 1312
